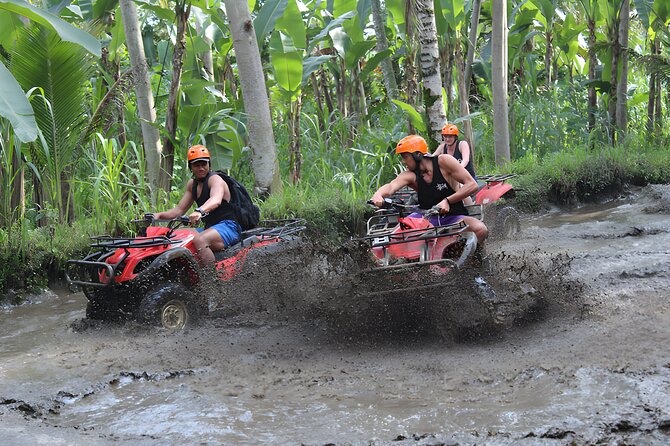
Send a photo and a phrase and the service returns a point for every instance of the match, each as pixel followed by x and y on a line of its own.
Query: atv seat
pixel 230 251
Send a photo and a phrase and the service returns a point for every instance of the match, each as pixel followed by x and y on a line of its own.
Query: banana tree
pixel 57 73
pixel 14 106
pixel 292 68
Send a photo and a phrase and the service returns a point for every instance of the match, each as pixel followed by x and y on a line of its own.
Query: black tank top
pixel 223 212
pixel 470 167
pixel 432 193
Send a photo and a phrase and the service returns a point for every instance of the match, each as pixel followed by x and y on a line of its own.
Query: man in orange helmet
pixel 212 196
pixel 436 180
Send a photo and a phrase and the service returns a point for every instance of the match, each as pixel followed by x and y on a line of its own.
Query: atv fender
pixel 492 192
pixel 180 253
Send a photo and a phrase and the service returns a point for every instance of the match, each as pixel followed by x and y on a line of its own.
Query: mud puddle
pixel 275 371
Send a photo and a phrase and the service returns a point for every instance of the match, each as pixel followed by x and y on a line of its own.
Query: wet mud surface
pixel 299 352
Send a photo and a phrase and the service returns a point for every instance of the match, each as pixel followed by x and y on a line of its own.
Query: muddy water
pixel 594 372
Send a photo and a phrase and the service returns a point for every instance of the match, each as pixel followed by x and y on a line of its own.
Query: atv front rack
pixel 94 264
pixel 113 243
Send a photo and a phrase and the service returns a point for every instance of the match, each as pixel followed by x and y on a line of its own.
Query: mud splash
pixel 338 285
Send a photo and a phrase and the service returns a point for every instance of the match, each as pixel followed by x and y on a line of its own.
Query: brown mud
pixel 297 351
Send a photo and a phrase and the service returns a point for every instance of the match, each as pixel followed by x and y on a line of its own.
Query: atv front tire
pixel 507 223
pixel 169 305
pixel 100 309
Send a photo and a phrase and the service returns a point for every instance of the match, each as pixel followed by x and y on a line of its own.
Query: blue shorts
pixel 439 220
pixel 229 231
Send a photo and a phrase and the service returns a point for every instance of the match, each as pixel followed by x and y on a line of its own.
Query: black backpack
pixel 247 214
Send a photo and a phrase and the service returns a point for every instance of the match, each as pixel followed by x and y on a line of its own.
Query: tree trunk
pixel 622 85
pixel 167 162
pixel 256 103
pixel 651 102
pixel 362 100
pixel 447 61
pixel 613 35
pixel 295 157
pixel 411 84
pixel 145 99
pixel 342 90
pixel 658 109
pixel 18 199
pixel 319 102
pixel 499 72
pixel 463 98
pixel 379 21
pixel 593 61
pixel 472 39
pixel 430 69
pixel 548 56
pixel 326 93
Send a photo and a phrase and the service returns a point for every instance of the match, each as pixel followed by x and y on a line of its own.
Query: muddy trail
pixel 299 352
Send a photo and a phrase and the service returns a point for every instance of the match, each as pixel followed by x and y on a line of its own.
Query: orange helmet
pixel 450 129
pixel 198 153
pixel 411 144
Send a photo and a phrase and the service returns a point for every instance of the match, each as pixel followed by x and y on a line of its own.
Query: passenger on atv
pixel 435 178
pixel 212 195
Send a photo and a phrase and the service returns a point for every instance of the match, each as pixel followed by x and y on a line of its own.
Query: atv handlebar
pixel 399 206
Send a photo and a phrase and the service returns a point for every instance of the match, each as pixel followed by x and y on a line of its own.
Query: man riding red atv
pixel 152 277
pixel 155 277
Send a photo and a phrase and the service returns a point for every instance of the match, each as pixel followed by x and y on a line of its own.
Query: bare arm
pixel 452 169
pixel 464 147
pixel 440 149
pixel 181 208
pixel 406 178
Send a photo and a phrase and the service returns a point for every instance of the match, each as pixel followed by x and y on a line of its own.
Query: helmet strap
pixel 417 157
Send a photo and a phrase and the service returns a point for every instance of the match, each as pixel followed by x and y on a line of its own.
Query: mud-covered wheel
pixel 170 305
pixel 507 223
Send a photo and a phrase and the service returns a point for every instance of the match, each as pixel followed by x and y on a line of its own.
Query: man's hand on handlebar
pixel 194 217
pixel 377 200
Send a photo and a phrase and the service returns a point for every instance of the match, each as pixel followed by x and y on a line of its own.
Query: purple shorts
pixel 439 220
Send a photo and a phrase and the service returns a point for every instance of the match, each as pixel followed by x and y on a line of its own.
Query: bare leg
pixel 206 242
pixel 478 227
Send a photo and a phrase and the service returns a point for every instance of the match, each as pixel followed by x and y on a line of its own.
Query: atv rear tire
pixel 507 223
pixel 169 305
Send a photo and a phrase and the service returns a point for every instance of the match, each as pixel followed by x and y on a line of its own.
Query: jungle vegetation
pixel 304 100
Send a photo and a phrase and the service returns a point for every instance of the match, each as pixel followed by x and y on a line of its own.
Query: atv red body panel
pixel 492 192
pixel 411 244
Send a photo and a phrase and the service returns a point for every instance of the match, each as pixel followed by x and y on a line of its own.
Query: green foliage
pixel 113 193
pixel 30 257
pixel 331 211
pixel 582 175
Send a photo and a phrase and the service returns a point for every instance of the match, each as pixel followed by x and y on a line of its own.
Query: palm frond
pixel 656 64
pixel 104 115
pixel 61 70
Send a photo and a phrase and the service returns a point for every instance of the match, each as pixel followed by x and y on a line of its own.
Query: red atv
pixel 500 217
pixel 438 264
pixel 491 204
pixel 399 238
pixel 155 278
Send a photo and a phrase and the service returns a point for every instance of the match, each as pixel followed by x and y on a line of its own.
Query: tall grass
pixel 114 192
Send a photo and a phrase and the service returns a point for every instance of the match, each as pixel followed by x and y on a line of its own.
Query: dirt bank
pixel 592 366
